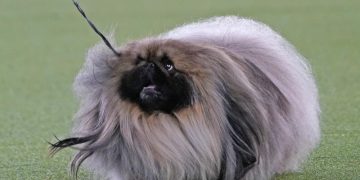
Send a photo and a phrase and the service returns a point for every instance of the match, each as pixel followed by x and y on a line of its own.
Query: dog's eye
pixel 168 67
pixel 139 60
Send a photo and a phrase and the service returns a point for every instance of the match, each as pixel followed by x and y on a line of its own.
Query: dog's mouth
pixel 150 93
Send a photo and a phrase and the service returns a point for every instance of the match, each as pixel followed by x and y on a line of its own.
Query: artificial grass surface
pixel 42 46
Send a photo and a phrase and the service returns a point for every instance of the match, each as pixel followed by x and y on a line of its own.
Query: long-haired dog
pixel 225 98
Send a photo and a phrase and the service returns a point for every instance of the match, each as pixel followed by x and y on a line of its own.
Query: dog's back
pixel 267 55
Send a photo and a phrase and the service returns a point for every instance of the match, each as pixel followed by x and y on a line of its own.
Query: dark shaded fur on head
pixel 192 108
pixel 155 84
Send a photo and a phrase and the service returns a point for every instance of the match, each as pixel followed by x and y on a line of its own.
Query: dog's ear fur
pixel 242 134
pixel 245 137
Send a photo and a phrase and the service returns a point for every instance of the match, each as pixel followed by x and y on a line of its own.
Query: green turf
pixel 42 46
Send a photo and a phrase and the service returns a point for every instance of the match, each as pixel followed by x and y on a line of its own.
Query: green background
pixel 43 43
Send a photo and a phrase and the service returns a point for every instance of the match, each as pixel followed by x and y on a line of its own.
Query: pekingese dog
pixel 224 98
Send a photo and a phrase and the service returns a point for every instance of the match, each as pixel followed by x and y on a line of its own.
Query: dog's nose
pixel 150 69
pixel 151 65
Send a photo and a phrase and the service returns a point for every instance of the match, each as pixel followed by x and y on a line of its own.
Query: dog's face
pixel 155 82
